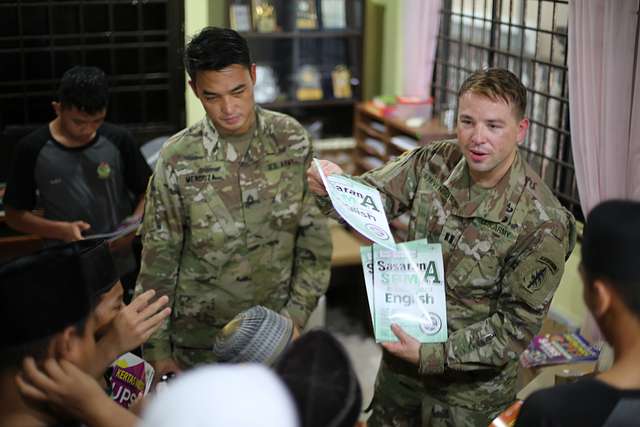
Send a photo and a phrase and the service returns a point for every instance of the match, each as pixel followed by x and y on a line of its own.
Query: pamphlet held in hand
pixel 406 287
pixel 360 206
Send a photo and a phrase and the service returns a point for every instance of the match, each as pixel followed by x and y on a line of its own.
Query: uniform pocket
pixel 483 278
pixel 475 266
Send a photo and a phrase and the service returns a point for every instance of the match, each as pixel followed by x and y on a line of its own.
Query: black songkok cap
pixel 319 375
pixel 43 293
pixel 611 242
pixel 100 271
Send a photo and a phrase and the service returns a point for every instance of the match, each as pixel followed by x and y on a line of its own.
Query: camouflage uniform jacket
pixel 504 254
pixel 223 233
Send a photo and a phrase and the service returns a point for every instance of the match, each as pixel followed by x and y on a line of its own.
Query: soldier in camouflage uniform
pixel 505 239
pixel 229 221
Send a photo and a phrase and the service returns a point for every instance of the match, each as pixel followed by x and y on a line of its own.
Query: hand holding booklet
pixel 405 282
pixel 406 287
pixel 360 206
pixel 125 228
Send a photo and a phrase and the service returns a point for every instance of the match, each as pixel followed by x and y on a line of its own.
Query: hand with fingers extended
pixel 136 322
pixel 313 176
pixel 407 348
pixel 69 389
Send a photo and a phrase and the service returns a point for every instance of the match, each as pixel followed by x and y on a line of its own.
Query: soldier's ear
pixel 193 87
pixel 252 73
pixel 56 107
pixel 523 125
pixel 601 298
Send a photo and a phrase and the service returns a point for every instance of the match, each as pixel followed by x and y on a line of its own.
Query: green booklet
pixel 366 255
pixel 407 287
pixel 360 206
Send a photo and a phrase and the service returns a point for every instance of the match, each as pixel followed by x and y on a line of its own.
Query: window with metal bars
pixel 137 43
pixel 530 39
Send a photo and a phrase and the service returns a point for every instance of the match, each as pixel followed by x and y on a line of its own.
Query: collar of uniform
pixel 499 204
pixel 263 142
pixel 211 139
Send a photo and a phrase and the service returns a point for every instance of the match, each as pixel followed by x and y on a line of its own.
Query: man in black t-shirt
pixel 87 175
pixel 609 270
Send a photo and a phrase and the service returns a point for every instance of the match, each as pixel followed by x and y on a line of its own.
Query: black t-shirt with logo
pixel 98 183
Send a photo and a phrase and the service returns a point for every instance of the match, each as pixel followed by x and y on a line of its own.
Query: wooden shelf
pixel 365 113
pixel 432 128
pixel 365 164
pixel 370 131
pixel 404 147
pixel 370 151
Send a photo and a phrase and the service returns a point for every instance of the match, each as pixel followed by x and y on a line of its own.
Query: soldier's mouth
pixel 231 120
pixel 477 156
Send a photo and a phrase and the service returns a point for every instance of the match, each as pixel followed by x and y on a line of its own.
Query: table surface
pixel 346 246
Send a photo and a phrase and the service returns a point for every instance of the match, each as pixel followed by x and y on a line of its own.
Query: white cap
pixel 245 395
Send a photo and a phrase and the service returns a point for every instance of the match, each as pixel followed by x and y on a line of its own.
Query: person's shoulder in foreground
pixel 611 292
pixel 588 402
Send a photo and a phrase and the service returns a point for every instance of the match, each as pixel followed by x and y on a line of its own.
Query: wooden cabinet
pixel 380 138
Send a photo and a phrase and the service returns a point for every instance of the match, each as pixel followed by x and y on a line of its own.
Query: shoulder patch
pixel 539 272
pixel 536 278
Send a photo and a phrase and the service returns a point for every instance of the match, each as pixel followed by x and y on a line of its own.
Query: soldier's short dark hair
pixel 214 49
pixel 610 249
pixel 85 88
pixel 497 84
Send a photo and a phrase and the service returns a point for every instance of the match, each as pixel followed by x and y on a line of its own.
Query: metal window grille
pixel 530 39
pixel 137 43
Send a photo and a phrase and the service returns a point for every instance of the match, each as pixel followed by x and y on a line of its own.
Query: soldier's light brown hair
pixel 497 84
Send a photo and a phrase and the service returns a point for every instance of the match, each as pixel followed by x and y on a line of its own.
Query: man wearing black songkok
pixel 45 307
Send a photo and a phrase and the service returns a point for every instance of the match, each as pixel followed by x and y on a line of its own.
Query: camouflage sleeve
pixel 312 264
pixel 529 281
pixel 162 238
pixel 396 181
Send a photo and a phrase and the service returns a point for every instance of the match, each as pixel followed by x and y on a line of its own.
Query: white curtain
pixel 420 23
pixel 604 104
pixel 604 99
